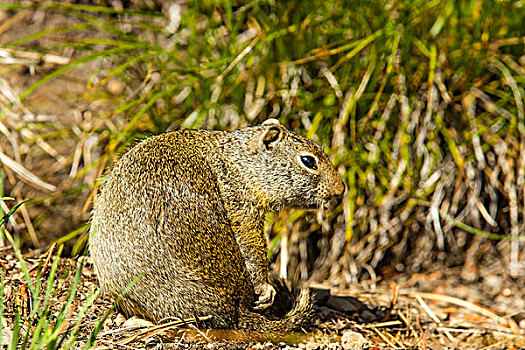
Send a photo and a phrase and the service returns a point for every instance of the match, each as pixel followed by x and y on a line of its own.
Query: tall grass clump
pixel 419 104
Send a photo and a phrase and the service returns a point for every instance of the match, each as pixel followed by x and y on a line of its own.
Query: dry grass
pixel 427 130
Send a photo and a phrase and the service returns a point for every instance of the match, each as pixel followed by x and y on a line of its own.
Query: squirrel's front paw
pixel 266 294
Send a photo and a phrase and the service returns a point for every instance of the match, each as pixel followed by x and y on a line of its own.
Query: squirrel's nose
pixel 337 193
pixel 339 188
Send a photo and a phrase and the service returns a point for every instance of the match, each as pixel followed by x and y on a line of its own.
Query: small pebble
pixel 115 87
pixel 108 324
pixel 469 274
pixel 119 320
pixel 506 292
pixel 312 346
pixel 136 322
pixel 351 340
pixel 151 342
pixel 7 336
pixel 493 284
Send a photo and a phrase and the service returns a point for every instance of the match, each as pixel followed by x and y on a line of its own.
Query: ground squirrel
pixel 185 211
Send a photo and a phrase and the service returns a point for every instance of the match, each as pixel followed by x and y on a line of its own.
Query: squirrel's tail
pixel 300 316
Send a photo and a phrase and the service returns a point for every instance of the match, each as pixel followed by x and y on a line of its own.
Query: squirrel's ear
pixel 271 136
pixel 271 132
pixel 271 121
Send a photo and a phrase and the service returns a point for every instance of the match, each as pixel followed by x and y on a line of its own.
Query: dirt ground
pixel 440 310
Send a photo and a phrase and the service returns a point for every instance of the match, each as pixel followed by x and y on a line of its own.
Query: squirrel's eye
pixel 309 162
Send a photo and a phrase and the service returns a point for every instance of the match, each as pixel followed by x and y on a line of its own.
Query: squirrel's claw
pixel 266 296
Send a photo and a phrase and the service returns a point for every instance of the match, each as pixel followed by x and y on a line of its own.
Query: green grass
pixel 45 326
pixel 419 104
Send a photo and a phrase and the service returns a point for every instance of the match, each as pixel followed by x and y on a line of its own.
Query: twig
pixel 396 340
pixel 395 294
pixel 452 300
pixel 159 329
pixel 36 56
pixel 459 330
pixel 200 332
pixel 46 147
pixel 25 174
pixel 48 257
pixel 118 344
pixel 382 324
pixel 384 337
pixel 495 344
pixel 46 262
pixel 76 159
pixel 409 325
pixel 27 221
pixel 422 338
pixel 18 17
pixel 433 316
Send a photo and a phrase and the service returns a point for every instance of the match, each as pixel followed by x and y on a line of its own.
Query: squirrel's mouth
pixel 331 203
pixel 313 203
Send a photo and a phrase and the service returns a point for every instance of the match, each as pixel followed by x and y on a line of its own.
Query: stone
pixel 351 340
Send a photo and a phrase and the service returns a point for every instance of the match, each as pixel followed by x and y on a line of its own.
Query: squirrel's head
pixel 292 171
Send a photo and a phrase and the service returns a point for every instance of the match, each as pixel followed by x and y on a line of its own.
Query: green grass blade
pixel 16 332
pixel 57 329
pixel 73 334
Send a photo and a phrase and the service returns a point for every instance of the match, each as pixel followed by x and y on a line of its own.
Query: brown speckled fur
pixel 185 210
